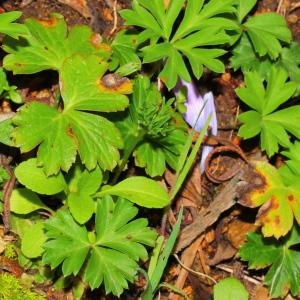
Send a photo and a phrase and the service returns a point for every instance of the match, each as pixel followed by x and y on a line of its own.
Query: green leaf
pixel 150 129
pixel 202 26
pixel 60 135
pixel 3 174
pixel 140 190
pixel 283 276
pixel 83 185
pixel 68 243
pixel 230 289
pixel 48 44
pixel 111 258
pixel 244 57
pixel 37 181
pixel 124 52
pixel 243 8
pixel 33 240
pixel 24 201
pixel 6 129
pixel 164 257
pixel 291 169
pixel 273 126
pixel 81 206
pixel 8 27
pixel 290 60
pixel 266 31
pixel 151 158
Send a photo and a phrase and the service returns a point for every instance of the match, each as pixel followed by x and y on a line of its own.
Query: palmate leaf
pixel 290 171
pixel 266 31
pixel 8 27
pixel 202 26
pixel 62 134
pixel 48 44
pixel 244 57
pixel 279 202
pixel 272 126
pixel 284 274
pixel 152 120
pixel 111 256
pixel 124 52
pixel 290 60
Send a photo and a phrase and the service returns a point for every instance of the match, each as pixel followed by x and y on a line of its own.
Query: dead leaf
pixel 187 259
pixel 80 6
pixel 237 231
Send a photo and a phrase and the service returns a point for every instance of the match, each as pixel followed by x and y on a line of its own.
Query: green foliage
pixel 272 126
pixel 6 129
pixel 290 60
pixel 11 288
pixel 244 57
pixel 124 53
pixel 3 175
pixel 24 201
pixel 110 254
pixel 290 171
pixel 284 262
pixel 77 140
pixel 48 44
pixel 149 129
pixel 82 186
pixel 230 289
pixel 7 91
pixel 62 134
pixel 8 27
pixel 202 26
pixel 162 260
pixel 10 251
pixel 140 190
pixel 33 240
pixel 38 181
pixel 266 31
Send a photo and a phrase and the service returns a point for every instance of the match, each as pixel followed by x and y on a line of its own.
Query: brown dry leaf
pixel 224 251
pixel 237 231
pixel 260 293
pixel 187 259
pixel 190 194
pixel 11 266
pixel 80 6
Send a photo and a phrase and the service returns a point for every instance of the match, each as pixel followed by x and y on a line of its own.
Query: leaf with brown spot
pixel 114 83
pixel 48 44
pixel 279 203
pixel 61 135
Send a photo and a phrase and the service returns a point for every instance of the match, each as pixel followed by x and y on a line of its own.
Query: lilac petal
pixel 204 154
pixel 194 105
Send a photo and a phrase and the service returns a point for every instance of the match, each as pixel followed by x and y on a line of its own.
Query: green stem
pixel 138 137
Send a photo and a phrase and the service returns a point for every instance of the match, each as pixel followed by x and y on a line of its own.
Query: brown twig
pixel 294 6
pixel 115 24
pixel 7 190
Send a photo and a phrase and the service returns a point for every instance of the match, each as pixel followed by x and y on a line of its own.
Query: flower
pixel 194 104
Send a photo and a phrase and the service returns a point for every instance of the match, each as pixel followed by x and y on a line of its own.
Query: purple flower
pixel 194 104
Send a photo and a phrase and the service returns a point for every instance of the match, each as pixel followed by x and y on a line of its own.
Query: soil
pixel 220 242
